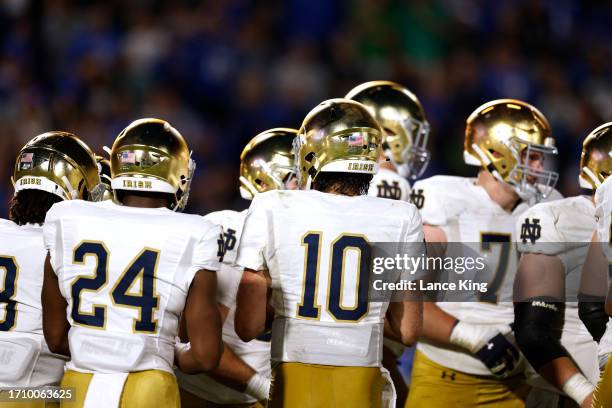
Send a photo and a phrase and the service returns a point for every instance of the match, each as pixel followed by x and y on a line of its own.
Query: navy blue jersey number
pixel 97 317
pixel 487 240
pixel 143 268
pixel 9 289
pixel 139 273
pixel 308 308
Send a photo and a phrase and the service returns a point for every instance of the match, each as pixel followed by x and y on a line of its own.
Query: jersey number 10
pixel 142 267
pixel 308 309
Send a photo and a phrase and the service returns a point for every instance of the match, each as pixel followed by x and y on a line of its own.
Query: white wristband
pixel 578 388
pixel 180 348
pixel 258 387
pixel 473 337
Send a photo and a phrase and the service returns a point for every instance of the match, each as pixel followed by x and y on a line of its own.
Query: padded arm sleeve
pixel 538 324
pixel 592 312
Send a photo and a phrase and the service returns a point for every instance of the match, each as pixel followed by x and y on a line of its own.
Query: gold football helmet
pixel 596 159
pixel 150 155
pixel 503 136
pixel 105 177
pixel 402 118
pixel 339 135
pixel 59 163
pixel 266 163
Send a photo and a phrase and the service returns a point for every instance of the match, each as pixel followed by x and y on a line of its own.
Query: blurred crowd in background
pixel 221 71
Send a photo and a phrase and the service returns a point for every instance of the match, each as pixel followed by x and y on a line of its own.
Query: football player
pixel 602 397
pixel 311 248
pixel 405 133
pixel 52 167
pixel 595 169
pixel 466 349
pixel 125 272
pixel 243 375
pixel 553 238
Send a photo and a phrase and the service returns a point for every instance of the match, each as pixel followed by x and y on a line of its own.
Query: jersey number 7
pixel 487 240
pixel 142 267
pixel 308 308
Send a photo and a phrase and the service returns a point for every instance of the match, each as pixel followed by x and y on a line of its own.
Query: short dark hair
pixel 31 206
pixel 120 195
pixel 350 184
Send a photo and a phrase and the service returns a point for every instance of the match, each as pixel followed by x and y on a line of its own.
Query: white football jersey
pixel 605 343
pixel 471 221
pixel 25 358
pixel 255 353
pixel 311 244
pixel 231 222
pixel 125 273
pixel 388 184
pixel 603 212
pixel 564 228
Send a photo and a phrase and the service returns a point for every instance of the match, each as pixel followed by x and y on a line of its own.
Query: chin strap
pixel 71 191
pixel 584 183
pixel 247 190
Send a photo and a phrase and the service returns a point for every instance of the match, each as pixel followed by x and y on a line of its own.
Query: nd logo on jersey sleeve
pixel 531 230
pixel 389 184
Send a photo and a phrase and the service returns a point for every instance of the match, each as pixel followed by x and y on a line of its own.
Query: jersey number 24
pixel 142 267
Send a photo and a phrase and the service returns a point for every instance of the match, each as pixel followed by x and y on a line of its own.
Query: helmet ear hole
pixel 309 157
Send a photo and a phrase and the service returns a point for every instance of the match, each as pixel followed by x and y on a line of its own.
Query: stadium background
pixel 223 70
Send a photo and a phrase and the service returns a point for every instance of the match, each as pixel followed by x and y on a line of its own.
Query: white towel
pixel 105 390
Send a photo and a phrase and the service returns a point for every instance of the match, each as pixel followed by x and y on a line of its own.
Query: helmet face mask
pixel 105 185
pixel 528 180
pixel 505 137
pixel 186 189
pixel 415 156
pixel 267 163
pixel 596 158
pixel 402 118
pixel 58 163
